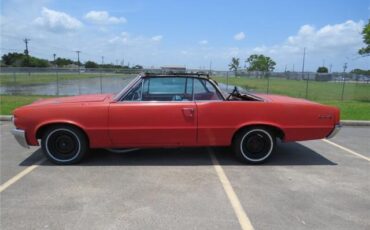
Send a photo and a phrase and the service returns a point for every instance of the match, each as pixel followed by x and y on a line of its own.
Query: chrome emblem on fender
pixel 325 116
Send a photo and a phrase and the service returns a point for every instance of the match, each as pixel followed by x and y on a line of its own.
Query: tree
pixel 260 63
pixel 322 69
pixel 137 67
pixel 22 60
pixel 361 72
pixel 234 65
pixel 60 62
pixel 13 59
pixel 91 65
pixel 366 36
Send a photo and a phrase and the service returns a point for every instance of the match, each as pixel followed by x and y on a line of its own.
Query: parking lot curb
pixel 5 118
pixel 343 122
pixel 354 123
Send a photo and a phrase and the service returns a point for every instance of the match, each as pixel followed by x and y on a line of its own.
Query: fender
pixel 31 136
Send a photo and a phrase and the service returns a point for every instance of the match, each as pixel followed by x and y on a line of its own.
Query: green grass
pixel 351 110
pixel 42 78
pixel 295 88
pixel 355 106
pixel 9 102
pixel 356 97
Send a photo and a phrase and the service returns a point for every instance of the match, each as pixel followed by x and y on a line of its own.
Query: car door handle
pixel 189 112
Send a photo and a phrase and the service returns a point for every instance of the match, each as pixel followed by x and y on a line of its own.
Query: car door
pixel 157 111
pixel 213 115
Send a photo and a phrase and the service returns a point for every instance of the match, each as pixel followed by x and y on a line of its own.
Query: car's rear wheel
pixel 254 145
pixel 64 144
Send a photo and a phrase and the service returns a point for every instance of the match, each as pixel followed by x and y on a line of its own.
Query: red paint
pixel 108 123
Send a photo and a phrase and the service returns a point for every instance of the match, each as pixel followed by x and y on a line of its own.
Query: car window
pixel 189 86
pixel 166 85
pixel 167 89
pixel 205 91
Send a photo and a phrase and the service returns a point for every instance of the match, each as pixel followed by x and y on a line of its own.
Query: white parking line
pixel 242 216
pixel 347 150
pixel 20 175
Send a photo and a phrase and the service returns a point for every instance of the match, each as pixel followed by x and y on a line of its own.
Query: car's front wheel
pixel 64 144
pixel 254 145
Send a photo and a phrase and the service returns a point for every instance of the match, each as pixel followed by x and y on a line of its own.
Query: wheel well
pixel 277 131
pixel 43 129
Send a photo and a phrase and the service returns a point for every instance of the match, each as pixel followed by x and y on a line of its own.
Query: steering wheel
pixel 136 96
pixel 235 92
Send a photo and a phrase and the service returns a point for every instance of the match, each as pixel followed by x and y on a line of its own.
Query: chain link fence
pixel 62 81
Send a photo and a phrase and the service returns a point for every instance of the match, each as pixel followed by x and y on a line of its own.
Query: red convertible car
pixel 172 110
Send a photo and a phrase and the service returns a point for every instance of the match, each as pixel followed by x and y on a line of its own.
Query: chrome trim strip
pixel 334 131
pixel 20 136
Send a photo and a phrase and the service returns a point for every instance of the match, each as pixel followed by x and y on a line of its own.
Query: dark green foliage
pixel 322 69
pixel 137 67
pixel 22 60
pixel 234 65
pixel 91 64
pixel 60 62
pixel 361 71
pixel 366 36
pixel 260 63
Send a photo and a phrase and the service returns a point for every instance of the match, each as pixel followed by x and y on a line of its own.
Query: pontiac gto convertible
pixel 172 110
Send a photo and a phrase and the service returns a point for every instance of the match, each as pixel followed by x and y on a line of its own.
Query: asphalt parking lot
pixel 306 185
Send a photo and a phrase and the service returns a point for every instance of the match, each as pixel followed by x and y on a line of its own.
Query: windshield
pixel 127 87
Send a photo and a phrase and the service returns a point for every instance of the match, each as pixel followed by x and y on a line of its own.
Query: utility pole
pixel 303 61
pixel 78 60
pixel 330 68
pixel 54 55
pixel 56 73
pixel 344 80
pixel 285 69
pixel 102 60
pixel 344 68
pixel 26 40
pixel 210 67
pixel 78 63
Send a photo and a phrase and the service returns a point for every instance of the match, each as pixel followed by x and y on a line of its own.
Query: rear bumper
pixel 20 136
pixel 334 131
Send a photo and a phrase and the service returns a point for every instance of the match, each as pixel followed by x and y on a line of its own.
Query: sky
pixel 195 34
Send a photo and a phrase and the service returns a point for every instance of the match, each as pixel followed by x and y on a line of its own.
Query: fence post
pixel 307 78
pixel 342 95
pixel 15 77
pixel 57 75
pixel 227 81
pixel 101 82
pixel 79 81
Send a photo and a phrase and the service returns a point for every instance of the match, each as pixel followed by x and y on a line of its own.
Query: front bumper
pixel 334 131
pixel 20 136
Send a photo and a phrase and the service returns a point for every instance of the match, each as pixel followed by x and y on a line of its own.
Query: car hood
pixel 74 99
